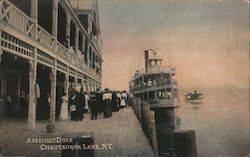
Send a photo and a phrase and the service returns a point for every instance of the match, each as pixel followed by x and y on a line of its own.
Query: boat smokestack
pixel 146 58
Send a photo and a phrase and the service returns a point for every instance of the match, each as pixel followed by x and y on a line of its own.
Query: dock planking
pixel 122 130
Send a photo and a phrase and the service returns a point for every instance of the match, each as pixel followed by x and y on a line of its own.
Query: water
pixel 221 122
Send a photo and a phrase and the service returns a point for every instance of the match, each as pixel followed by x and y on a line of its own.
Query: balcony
pixel 12 17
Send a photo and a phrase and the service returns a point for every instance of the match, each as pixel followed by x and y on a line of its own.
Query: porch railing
pixel 10 14
pixel 15 18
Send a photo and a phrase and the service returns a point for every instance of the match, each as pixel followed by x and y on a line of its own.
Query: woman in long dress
pixel 64 108
pixel 123 103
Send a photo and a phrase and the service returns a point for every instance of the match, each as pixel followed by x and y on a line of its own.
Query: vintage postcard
pixel 124 78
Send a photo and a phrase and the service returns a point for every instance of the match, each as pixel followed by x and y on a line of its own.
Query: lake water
pixel 221 122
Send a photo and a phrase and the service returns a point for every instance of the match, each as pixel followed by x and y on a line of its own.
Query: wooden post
pixel 185 144
pixel 90 26
pixel 34 10
pixel 66 84
pixel 153 133
pixel 76 39
pixel 82 83
pixel 33 72
pixel 53 96
pixel 76 83
pixel 1 50
pixel 88 58
pixel 68 23
pixel 32 95
pixel 92 59
pixel 55 18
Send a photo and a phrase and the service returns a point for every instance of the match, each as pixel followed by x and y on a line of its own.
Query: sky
pixel 209 40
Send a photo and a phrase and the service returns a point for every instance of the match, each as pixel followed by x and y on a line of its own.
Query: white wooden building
pixel 52 45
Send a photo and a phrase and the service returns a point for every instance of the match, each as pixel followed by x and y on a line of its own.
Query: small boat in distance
pixel 193 97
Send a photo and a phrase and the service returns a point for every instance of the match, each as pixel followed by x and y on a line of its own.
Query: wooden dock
pixel 122 130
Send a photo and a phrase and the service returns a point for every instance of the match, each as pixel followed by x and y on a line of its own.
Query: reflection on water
pixel 220 120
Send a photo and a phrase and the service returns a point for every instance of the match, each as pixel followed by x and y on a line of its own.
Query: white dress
pixel 64 108
pixel 123 103
pixel 86 101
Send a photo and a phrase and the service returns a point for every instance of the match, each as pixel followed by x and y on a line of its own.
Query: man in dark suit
pixel 80 104
pixel 99 101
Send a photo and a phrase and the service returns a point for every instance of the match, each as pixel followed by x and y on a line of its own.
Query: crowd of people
pixel 75 105
pixel 99 104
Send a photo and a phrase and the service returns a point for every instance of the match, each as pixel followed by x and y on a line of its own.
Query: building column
pixel 55 18
pixel 53 96
pixel 91 86
pixel 82 83
pixel 34 15
pixel 88 55
pixel 66 84
pixel 32 95
pixel 1 50
pixel 92 58
pixel 1 53
pixel 68 23
pixel 33 73
pixel 34 9
pixel 90 26
pixel 87 86
pixel 76 39
pixel 1 83
pixel 84 86
pixel 76 83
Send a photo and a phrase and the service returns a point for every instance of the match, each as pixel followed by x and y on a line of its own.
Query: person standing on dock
pixel 119 98
pixel 107 103
pixel 72 104
pixel 23 104
pixel 93 106
pixel 124 98
pixel 80 104
pixel 129 99
pixel 99 101
pixel 64 108
pixel 114 102
pixel 87 99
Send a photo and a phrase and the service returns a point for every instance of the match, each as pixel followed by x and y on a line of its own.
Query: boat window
pixel 154 83
pixel 161 94
pixel 152 95
pixel 150 82
pixel 169 95
pixel 145 96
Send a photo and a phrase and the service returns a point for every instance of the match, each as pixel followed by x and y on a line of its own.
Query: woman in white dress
pixel 64 108
pixel 123 103
pixel 124 98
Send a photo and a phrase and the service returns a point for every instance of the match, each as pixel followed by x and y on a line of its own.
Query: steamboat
pixel 155 84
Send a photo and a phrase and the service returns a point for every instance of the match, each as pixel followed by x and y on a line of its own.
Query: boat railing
pixel 155 83
pixel 156 69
